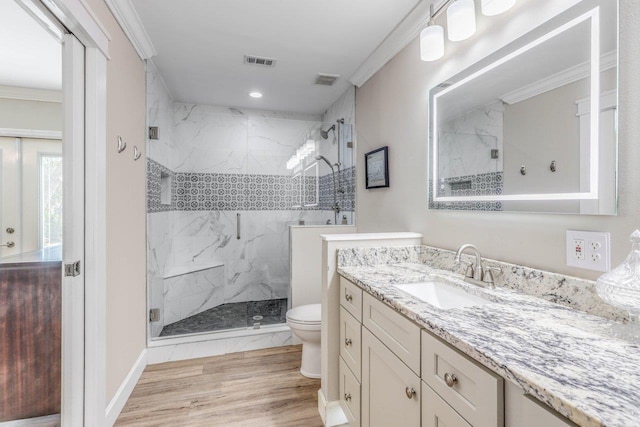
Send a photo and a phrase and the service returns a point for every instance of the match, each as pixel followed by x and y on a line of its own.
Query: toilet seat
pixel 310 315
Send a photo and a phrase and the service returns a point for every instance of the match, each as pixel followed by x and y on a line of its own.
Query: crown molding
pixel 407 30
pixel 31 133
pixel 573 74
pixel 130 22
pixel 30 94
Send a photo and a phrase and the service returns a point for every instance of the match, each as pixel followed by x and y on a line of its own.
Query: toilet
pixel 304 322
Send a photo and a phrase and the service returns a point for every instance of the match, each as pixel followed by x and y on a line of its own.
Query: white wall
pixel 392 110
pixel 306 261
pixel 126 255
pixel 33 115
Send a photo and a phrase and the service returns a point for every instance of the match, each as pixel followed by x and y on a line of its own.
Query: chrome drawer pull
pixel 347 341
pixel 450 379
pixel 348 297
pixel 411 392
pixel 347 397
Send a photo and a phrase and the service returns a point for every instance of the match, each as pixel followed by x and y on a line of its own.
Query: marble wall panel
pixel 465 142
pixel 192 293
pixel 160 114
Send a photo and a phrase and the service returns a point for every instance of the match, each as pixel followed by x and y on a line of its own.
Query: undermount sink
pixel 441 295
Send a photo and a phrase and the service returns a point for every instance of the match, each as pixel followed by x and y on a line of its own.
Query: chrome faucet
pixel 476 273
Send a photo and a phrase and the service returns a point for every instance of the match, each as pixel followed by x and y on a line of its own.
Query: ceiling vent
pixel 326 79
pixel 259 60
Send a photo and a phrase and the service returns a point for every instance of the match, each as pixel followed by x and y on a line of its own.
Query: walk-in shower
pixel 223 187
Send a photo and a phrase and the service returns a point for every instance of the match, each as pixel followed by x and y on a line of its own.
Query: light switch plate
pixel 589 249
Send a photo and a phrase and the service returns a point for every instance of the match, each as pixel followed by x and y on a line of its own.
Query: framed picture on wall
pixel 376 164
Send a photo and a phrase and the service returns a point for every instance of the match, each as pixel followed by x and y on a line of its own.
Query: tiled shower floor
pixel 230 316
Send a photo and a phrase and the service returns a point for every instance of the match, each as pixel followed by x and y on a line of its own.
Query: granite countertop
pixel 564 357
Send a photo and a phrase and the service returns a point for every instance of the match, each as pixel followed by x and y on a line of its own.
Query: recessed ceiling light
pixel 255 94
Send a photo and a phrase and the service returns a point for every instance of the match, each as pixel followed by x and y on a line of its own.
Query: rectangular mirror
pixel 514 132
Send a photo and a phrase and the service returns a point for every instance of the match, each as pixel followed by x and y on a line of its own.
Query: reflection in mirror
pixel 515 132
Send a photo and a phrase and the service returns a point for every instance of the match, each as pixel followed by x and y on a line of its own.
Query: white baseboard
pixel 331 412
pixel 124 391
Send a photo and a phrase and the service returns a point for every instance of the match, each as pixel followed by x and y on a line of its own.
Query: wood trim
pixel 31 133
pixel 95 236
pixel 81 21
pixel 30 94
pixel 126 388
pixel 573 74
pixel 130 22
pixel 398 39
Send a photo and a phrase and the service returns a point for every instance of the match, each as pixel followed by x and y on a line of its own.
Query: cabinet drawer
pixel 349 394
pixel 390 390
pixel 401 335
pixel 437 413
pixel 351 298
pixel 350 341
pixel 474 392
pixel 534 414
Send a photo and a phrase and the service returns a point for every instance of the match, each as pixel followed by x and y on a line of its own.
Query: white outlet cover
pixel 595 243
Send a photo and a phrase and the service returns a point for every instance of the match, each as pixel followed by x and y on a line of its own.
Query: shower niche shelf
pixel 188 269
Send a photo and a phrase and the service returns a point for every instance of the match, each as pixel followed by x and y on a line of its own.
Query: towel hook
pixel 552 166
pixel 523 170
pixel 121 144
pixel 136 153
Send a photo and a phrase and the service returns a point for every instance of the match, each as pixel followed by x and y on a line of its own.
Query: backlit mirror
pixel 514 132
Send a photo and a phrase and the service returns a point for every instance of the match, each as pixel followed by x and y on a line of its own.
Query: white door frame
pixel 77 16
pixel 72 409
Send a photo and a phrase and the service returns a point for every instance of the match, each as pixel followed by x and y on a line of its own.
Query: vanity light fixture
pixel 432 42
pixel 461 24
pixel 255 94
pixel 496 7
pixel 461 20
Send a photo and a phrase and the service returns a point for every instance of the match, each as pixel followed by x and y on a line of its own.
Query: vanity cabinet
pixel 394 373
pixel 473 391
pixel 437 413
pixel 350 364
pixel 390 390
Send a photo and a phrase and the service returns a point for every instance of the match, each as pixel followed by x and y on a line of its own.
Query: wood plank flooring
pixel 254 388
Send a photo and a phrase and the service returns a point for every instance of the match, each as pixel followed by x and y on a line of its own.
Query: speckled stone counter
pixel 563 356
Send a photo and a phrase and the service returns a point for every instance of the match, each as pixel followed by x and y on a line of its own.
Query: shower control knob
pixel 347 342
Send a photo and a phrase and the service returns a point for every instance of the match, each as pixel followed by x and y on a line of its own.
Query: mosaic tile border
pixel 469 185
pixel 155 172
pixel 247 192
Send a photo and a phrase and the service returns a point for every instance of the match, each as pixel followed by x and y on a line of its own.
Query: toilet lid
pixel 305 314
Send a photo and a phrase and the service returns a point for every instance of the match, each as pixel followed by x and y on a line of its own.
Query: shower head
pixel 323 158
pixel 325 133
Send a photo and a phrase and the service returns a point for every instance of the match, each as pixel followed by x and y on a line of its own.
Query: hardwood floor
pixel 254 388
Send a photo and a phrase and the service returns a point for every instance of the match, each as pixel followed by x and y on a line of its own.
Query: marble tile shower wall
pixel 221 162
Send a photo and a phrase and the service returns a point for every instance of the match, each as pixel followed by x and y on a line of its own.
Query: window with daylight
pixel 50 200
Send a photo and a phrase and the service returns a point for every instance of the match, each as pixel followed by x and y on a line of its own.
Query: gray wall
pixel 393 110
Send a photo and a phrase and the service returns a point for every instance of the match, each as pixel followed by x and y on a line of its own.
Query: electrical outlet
pixel 589 249
pixel 578 249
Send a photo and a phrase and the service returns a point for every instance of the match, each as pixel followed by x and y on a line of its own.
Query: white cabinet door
pixel 390 390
